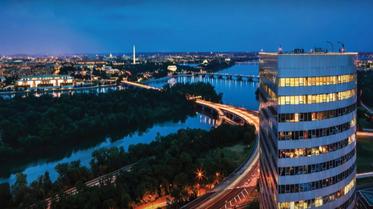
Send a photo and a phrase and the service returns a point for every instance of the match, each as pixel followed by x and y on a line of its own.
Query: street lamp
pixel 199 174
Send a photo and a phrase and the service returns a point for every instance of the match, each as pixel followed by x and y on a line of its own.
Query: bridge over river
pixel 236 189
pixel 239 188
pixel 225 76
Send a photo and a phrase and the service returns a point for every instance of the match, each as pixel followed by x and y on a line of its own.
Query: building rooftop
pixel 367 194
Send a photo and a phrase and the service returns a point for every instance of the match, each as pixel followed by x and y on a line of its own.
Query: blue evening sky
pixel 94 26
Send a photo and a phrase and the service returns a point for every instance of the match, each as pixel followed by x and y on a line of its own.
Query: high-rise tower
pixel 134 55
pixel 307 130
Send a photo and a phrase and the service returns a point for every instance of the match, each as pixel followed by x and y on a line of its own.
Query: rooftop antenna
pixel 279 50
pixel 331 45
pixel 342 49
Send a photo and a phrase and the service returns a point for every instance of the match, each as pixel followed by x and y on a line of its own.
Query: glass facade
pixel 314 168
pixel 316 98
pixel 318 201
pixel 314 116
pixel 316 81
pixel 315 133
pixel 306 161
pixel 314 151
pixel 314 185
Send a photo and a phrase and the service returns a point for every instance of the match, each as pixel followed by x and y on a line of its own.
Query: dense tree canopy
pixel 35 127
pixel 365 87
pixel 166 166
pixel 32 127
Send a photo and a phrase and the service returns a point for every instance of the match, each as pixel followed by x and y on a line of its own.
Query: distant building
pixel 307 130
pixel 42 81
pixel 172 68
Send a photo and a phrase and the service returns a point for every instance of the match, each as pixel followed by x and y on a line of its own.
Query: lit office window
pixel 316 98
pixel 318 201
pixel 316 81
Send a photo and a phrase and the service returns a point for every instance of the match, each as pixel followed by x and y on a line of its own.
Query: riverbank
pixel 34 128
pixel 176 165
pixel 236 93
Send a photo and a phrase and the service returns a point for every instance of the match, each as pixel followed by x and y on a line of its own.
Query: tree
pixel 71 173
pixel 20 190
pixel 5 196
pixel 108 159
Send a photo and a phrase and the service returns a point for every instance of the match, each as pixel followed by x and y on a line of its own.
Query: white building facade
pixel 45 81
pixel 307 130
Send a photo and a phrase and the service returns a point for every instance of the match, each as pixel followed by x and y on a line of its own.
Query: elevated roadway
pixel 139 85
pixel 239 188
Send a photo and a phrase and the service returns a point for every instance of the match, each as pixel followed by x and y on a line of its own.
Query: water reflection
pixel 59 92
pixel 34 170
pixel 238 93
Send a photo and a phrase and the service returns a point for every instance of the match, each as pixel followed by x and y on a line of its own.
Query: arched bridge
pixel 236 189
pixel 223 76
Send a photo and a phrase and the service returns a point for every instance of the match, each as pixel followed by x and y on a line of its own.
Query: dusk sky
pixel 79 26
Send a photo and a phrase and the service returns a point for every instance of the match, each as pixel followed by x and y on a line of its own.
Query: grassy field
pixel 239 152
pixel 364 149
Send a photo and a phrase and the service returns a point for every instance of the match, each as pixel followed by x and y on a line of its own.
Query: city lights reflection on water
pixel 238 93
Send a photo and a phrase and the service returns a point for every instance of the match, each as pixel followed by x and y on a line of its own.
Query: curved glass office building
pixel 307 130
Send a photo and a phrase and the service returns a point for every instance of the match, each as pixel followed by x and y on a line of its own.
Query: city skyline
pixel 55 28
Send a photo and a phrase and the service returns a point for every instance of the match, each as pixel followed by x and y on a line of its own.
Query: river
pixel 238 93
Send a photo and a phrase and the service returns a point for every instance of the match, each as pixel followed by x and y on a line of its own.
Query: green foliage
pixel 178 156
pixel 207 91
pixel 104 197
pixel 165 166
pixel 106 160
pixel 364 149
pixel 5 196
pixel 35 127
pixel 71 173
pixel 32 128
pixel 365 86
pixel 216 65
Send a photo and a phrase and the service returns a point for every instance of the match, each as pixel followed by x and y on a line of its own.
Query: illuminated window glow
pixel 316 98
pixel 314 116
pixel 314 151
pixel 318 201
pixel 316 81
pixel 315 185
pixel 315 133
pixel 313 168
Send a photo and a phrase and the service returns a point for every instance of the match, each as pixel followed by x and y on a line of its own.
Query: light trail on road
pixel 239 188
